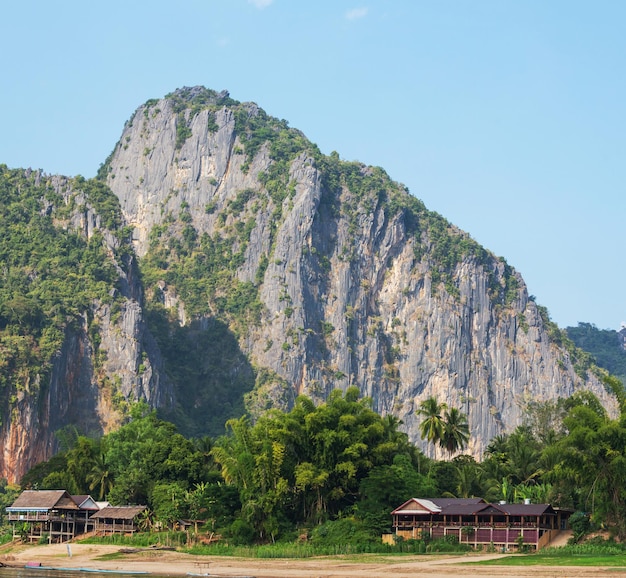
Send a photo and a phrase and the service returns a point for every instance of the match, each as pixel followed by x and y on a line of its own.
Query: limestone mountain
pixel 245 267
pixel 329 273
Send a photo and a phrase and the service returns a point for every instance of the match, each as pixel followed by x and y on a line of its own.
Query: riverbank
pixel 171 563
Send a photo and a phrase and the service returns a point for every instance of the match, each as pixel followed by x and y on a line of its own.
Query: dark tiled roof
pixel 526 509
pixel 82 498
pixel 469 507
pixel 445 502
pixel 464 509
pixel 44 500
pixel 119 512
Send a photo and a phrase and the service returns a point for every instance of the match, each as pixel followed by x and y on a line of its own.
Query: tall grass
pixel 142 539
pixel 309 550
pixel 594 548
pixel 179 541
pixel 300 550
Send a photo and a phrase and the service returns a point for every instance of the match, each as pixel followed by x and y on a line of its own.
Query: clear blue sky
pixel 508 118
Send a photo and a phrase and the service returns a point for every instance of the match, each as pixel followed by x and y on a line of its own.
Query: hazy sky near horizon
pixel 508 118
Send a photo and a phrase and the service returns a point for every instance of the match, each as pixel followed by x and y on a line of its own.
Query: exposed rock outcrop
pixel 352 292
pixel 318 272
pixel 90 381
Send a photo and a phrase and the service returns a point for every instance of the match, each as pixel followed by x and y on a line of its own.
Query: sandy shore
pixel 169 563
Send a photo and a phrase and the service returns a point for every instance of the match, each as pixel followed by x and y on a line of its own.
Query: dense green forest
pixel 340 465
pixel 604 344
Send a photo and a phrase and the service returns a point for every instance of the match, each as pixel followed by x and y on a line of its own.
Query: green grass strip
pixel 613 561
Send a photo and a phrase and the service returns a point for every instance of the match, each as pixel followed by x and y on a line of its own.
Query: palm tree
pixel 391 423
pixel 432 426
pixel 469 479
pixel 498 448
pixel 235 455
pixel 100 476
pixel 455 431
pixel 523 457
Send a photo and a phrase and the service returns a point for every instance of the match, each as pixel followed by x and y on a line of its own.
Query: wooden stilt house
pixel 44 514
pixel 117 520
pixel 474 521
pixel 87 508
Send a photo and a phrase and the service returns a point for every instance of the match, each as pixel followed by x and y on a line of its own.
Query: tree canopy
pixel 317 465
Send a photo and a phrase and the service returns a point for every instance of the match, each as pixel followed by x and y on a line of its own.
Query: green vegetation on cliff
pixel 603 344
pixel 51 275
pixel 212 274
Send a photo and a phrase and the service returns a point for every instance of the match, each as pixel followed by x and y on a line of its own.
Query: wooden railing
pixel 44 517
pixel 547 538
pixel 29 517
pixel 117 528
pixel 455 525
pixel 483 535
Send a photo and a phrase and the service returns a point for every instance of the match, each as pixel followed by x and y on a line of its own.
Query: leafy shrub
pixel 580 524
pixel 343 531
pixel 448 543
pixel 240 533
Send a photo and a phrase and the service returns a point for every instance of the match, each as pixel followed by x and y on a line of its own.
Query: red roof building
pixel 478 523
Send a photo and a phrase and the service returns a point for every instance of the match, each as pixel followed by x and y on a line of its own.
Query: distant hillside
pixel 606 345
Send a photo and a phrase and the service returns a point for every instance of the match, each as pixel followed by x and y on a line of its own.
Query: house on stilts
pixel 475 522
pixel 56 516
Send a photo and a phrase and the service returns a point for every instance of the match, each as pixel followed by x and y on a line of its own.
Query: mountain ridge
pixel 257 267
pixel 336 251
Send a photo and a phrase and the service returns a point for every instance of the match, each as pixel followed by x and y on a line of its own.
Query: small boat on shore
pixel 113 571
pixel 38 566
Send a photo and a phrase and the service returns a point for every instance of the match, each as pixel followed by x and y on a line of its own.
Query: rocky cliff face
pixel 255 257
pixel 358 283
pixel 90 380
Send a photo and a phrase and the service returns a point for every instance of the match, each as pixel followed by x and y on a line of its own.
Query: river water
pixel 45 573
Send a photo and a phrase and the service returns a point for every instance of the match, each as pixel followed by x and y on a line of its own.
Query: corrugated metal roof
pixel 417 506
